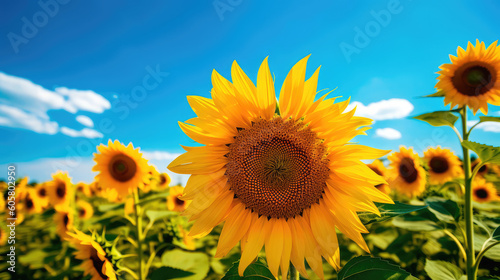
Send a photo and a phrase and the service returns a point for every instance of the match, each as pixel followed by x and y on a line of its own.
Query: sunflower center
pixel 438 165
pixel 179 202
pixel 122 168
pixel 42 192
pixel 66 221
pixel 29 203
pixel 277 168
pixel 163 179
pixel 81 213
pixel 481 193
pixel 61 190
pixel 97 262
pixel 474 78
pixel 407 170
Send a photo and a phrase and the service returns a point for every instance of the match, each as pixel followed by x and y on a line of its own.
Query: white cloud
pixel 86 121
pixel 86 132
pixel 388 133
pixel 159 155
pixel 25 104
pixel 394 108
pixel 486 126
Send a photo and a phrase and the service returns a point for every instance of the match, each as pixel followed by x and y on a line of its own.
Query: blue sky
pixel 74 74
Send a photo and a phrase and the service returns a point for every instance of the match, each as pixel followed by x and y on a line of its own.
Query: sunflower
pixel 32 202
pixel 60 191
pixel 3 236
pixel 174 203
pixel 129 207
pixel 472 78
pixel 95 261
pixel 64 223
pixel 84 209
pixel 443 165
pixel 120 168
pixel 163 181
pixel 278 173
pixel 378 167
pixel 483 191
pixel 42 194
pixel 483 170
pixel 84 189
pixel 406 174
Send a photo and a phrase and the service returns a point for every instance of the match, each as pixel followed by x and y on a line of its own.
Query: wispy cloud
pixel 486 126
pixel 388 133
pixel 86 121
pixel 394 108
pixel 25 104
pixel 85 132
pixel 159 155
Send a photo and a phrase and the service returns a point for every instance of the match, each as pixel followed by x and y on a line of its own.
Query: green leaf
pixel 437 94
pixel 388 211
pixel 438 118
pixel 485 152
pixel 415 223
pixel 489 119
pixel 166 272
pixel 154 215
pixel 482 240
pixel 365 267
pixel 195 262
pixel 257 270
pixel 441 270
pixel 445 210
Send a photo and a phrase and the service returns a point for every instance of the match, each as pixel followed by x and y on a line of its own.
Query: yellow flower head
pixel 84 189
pixel 60 191
pixel 483 191
pixel 32 202
pixel 472 78
pixel 378 167
pixel 163 181
pixel 280 174
pixel 42 193
pixel 95 262
pixel 174 203
pixel 406 174
pixel 443 165
pixel 84 209
pixel 483 170
pixel 64 223
pixel 120 168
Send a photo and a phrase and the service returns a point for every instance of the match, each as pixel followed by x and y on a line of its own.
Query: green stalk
pixel 469 226
pixel 294 275
pixel 138 231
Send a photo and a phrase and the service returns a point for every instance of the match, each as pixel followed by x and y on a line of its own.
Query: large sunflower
pixel 60 191
pixel 95 261
pixel 443 165
pixel 120 168
pixel 378 167
pixel 472 78
pixel 406 175
pixel 483 191
pixel 279 173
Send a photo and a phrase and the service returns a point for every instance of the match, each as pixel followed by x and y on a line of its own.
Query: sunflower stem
pixel 469 226
pixel 138 231
pixel 294 275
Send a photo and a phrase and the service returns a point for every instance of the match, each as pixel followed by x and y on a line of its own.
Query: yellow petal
pixel 256 239
pixel 236 226
pixel 266 96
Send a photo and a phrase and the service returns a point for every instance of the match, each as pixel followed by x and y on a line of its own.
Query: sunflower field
pixel 278 188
